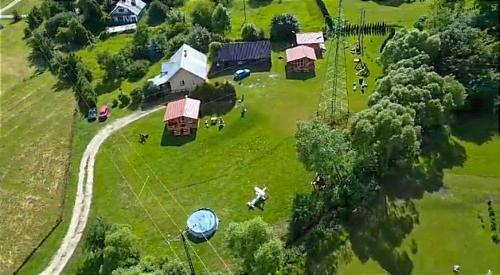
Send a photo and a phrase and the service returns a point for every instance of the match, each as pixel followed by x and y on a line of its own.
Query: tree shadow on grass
pixel 392 3
pixel 168 139
pixel 299 75
pixel 107 85
pixel 258 3
pixel 217 108
pixel 476 128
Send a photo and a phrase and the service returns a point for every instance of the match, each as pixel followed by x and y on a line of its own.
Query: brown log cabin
pixel 181 116
pixel 300 59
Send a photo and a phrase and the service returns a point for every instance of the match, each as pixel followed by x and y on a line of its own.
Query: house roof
pixel 239 51
pixel 128 4
pixel 300 52
pixel 185 58
pixel 309 38
pixel 122 28
pixel 186 107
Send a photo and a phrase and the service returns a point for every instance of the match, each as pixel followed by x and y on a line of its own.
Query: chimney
pixel 133 2
pixel 185 53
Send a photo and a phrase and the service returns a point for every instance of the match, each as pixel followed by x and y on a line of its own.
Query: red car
pixel 103 113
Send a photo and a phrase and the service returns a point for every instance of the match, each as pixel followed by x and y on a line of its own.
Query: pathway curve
pixel 10 5
pixel 83 197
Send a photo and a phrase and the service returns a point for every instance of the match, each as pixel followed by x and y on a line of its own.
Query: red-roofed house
pixel 314 40
pixel 181 116
pixel 300 59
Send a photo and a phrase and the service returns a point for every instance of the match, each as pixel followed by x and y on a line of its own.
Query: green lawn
pixel 216 170
pixel 34 149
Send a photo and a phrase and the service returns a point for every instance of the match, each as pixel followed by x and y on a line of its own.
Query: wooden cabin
pixel 243 54
pixel 314 40
pixel 181 116
pixel 300 59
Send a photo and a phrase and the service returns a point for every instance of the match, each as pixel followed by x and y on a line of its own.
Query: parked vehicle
pixel 92 114
pixel 241 74
pixel 103 113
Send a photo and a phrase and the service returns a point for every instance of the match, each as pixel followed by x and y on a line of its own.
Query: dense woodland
pixel 447 64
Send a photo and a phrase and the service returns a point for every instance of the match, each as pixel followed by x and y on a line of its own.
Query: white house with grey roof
pixel 127 12
pixel 186 70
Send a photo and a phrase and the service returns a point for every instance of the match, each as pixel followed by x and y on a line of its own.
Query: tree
pixel 157 12
pixel 252 241
pixel 175 16
pixel 70 69
pixel 249 32
pixel 284 27
pixel 140 43
pixel 202 13
pixel 386 130
pixel 57 21
pixel 213 49
pixel 74 34
pixel 94 18
pixel 42 47
pixel 325 151
pixel 221 21
pixel 174 3
pixel 432 96
pixel 120 250
pixel 114 65
pixel 34 18
pixel 199 38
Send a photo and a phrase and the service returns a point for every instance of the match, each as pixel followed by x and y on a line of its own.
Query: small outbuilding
pixel 314 40
pixel 238 54
pixel 181 116
pixel 127 12
pixel 300 59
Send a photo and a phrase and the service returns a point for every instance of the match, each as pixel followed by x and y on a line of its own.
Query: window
pixel 182 83
pixel 121 10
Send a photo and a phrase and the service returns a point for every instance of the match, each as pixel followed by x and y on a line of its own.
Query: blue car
pixel 92 115
pixel 241 74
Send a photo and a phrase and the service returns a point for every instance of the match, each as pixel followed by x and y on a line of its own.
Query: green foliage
pixel 94 239
pixel 137 97
pixel 42 47
pixel 249 32
pixel 71 69
pixel 175 16
pixel 114 65
pixel 255 243
pixel 140 43
pixel 174 3
pixel 138 69
pixel 284 27
pixel 213 49
pixel 157 12
pixel 221 21
pixel 387 130
pixel 119 250
pixel 94 18
pixel 431 96
pixel 50 8
pixel 57 21
pixel 74 34
pixel 199 38
pixel 208 92
pixel 202 13
pixel 34 18
pixel 325 151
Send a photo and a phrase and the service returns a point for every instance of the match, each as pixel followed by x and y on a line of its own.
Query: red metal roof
pixel 300 52
pixel 309 38
pixel 186 107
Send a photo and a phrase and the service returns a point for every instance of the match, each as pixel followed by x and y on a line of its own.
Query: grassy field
pixel 216 170
pixel 34 144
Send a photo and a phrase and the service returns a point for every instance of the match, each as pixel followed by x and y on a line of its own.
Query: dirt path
pixel 10 5
pixel 83 197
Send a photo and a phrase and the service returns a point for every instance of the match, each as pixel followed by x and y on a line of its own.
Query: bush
pixel 157 12
pixel 209 93
pixel 199 38
pixel 249 32
pixel 138 69
pixel 202 13
pixel 16 16
pixel 284 27
pixel 137 97
pixel 59 20
pixel 213 49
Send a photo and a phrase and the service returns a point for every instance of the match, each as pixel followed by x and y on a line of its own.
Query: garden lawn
pixel 218 169
pixel 35 142
pixel 307 12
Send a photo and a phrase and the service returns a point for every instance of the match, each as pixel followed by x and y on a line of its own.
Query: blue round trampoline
pixel 202 224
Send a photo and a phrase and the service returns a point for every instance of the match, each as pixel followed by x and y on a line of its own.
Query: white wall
pixel 190 81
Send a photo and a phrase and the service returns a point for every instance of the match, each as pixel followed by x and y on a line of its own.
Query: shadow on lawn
pixel 378 231
pixel 392 3
pixel 477 128
pixel 167 139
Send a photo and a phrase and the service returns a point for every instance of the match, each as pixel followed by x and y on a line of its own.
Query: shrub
pixel 137 97
pixel 16 16
pixel 138 69
pixel 209 93
pixel 213 49
pixel 284 27
pixel 59 20
pixel 249 32
pixel 199 38
pixel 157 12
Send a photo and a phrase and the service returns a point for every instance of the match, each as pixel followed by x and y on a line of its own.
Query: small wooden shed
pixel 181 116
pixel 300 59
pixel 314 40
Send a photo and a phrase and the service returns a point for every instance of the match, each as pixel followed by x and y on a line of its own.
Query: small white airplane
pixel 260 195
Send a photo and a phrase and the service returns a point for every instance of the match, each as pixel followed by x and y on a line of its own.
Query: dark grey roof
pixel 239 51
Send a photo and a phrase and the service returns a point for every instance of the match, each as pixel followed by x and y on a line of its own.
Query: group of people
pixel 222 123
pixel 362 83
